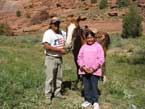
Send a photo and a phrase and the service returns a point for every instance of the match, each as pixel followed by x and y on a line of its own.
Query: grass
pixel 125 66
pixel 22 75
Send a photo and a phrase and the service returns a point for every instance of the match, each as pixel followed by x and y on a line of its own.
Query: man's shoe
pixel 96 106
pixel 86 104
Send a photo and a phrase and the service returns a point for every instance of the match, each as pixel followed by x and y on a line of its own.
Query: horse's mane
pixel 103 38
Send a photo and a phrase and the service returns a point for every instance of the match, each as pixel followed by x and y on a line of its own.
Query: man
pixel 53 43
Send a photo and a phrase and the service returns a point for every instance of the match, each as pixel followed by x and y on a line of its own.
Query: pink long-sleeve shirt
pixel 91 56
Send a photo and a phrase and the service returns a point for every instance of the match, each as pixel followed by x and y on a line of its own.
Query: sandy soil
pixel 108 26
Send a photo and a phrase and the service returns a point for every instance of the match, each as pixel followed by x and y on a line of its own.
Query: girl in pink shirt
pixel 90 60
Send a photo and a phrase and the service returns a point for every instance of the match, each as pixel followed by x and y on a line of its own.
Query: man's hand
pixel 62 50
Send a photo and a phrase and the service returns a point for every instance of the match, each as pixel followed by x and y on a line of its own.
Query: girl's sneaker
pixel 96 106
pixel 86 104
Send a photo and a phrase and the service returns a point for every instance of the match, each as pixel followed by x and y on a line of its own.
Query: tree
pixel 18 13
pixel 5 29
pixel 93 1
pixel 132 23
pixel 103 4
pixel 123 3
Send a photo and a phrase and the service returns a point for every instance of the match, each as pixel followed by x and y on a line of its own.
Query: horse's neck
pixel 104 39
pixel 79 35
pixel 70 30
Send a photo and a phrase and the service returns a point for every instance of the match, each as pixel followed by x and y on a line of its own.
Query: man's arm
pixel 47 46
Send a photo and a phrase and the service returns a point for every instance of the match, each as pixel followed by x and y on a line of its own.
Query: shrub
pixel 93 1
pixel 123 3
pixel 18 13
pixel 103 4
pixel 132 23
pixel 5 29
pixel 2 29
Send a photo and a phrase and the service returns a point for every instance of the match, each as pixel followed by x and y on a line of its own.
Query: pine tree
pixel 123 3
pixel 132 23
pixel 103 4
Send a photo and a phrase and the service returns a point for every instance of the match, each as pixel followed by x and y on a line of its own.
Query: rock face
pixel 34 15
pixel 12 6
pixel 112 14
pixel 24 15
pixel 141 3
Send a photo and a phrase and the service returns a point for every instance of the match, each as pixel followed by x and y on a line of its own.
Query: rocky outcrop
pixel 141 3
pixel 112 13
pixel 33 12
pixel 24 16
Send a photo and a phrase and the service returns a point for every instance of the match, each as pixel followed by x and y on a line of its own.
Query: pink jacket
pixel 91 56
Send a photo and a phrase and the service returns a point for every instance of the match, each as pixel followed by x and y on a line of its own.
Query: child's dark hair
pixel 89 33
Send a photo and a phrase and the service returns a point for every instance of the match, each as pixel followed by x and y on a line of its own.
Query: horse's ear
pixel 79 18
pixel 95 31
pixel 76 18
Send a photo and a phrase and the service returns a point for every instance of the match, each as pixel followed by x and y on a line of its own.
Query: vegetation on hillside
pixel 123 3
pixel 18 13
pixel 5 29
pixel 132 23
pixel 103 4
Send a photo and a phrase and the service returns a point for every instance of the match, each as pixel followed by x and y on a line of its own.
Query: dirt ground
pixel 108 26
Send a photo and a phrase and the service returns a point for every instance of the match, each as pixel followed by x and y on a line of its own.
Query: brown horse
pixel 104 39
pixel 75 37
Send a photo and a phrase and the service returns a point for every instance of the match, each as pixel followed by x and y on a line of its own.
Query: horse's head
pixel 104 39
pixel 72 26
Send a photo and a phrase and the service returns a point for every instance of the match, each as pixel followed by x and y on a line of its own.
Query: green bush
pixel 93 1
pixel 18 13
pixel 5 29
pixel 132 23
pixel 103 4
pixel 123 3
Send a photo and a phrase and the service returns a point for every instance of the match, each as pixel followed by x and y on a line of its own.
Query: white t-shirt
pixel 55 40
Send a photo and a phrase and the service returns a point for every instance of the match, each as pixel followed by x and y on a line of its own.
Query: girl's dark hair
pixel 88 33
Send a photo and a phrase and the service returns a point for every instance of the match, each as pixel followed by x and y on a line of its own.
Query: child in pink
pixel 90 60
